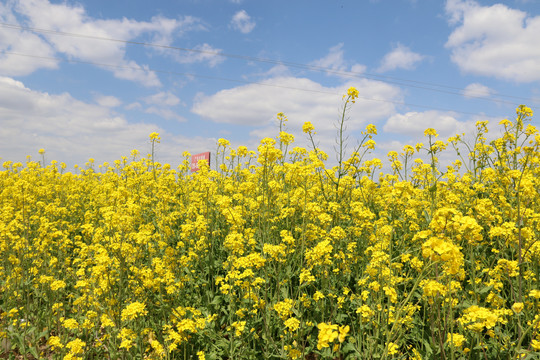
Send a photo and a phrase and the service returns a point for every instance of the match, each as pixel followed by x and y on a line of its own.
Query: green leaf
pixel 428 348
pixel 34 352
pixel 19 337
pixel 340 318
pixel 348 347
pixel 216 300
pixel 484 290
pixel 285 292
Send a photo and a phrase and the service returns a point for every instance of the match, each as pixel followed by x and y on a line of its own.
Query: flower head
pixel 133 310
pixel 430 132
pixel 327 334
pixel 292 324
pixel 155 137
pixel 343 331
pixel 456 340
pixel 223 142
pixel 308 127
pixel 352 93
pixel 517 307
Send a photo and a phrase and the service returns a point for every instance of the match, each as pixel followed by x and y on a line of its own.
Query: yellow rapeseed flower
pixel 71 324
pixel 133 310
pixel 284 308
pixel 327 334
pixel 517 307
pixel 308 127
pixel 343 332
pixel 352 92
pixel 57 285
pixel 76 346
pixel 127 338
pixel 292 324
pixel 55 343
pixel 430 132
pixel 393 348
pixel 456 340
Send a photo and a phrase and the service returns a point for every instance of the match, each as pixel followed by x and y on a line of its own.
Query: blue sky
pixel 76 80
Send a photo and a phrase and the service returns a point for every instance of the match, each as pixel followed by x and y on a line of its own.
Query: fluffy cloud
pixel 335 61
pixel 299 98
pixel 494 41
pixel 107 101
pixel 69 129
pixel 477 90
pixel 200 53
pixel 14 42
pixel 401 57
pixel 73 131
pixel 414 123
pixel 163 98
pixel 73 19
pixel 256 106
pixel 161 104
pixel 242 22
pixel 279 70
pixel 165 113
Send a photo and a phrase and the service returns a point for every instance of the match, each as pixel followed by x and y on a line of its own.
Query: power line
pixel 387 79
pixel 235 80
pixel 124 67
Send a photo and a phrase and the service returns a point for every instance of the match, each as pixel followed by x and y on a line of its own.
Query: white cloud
pixel 21 42
pixel 163 99
pixel 242 22
pixel 165 113
pixel 256 106
pixel 335 61
pixel 494 41
pixel 73 19
pixel 201 53
pixel 107 101
pixel 165 30
pixel 25 43
pixel 161 104
pixel 68 129
pixel 133 106
pixel 73 131
pixel 358 68
pixel 401 57
pixel 477 90
pixel 414 123
pixel 276 71
pixel 259 103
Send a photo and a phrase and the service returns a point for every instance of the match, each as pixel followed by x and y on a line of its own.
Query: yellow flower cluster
pixel 273 254
pixel 478 318
pixel 133 310
pixel 328 333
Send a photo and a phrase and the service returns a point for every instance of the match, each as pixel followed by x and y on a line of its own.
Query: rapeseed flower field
pixel 273 255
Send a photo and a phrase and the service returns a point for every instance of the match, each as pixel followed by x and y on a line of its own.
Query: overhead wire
pixel 124 67
pixel 435 87
pixel 388 79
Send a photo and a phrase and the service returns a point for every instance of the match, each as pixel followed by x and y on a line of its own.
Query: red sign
pixel 195 160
